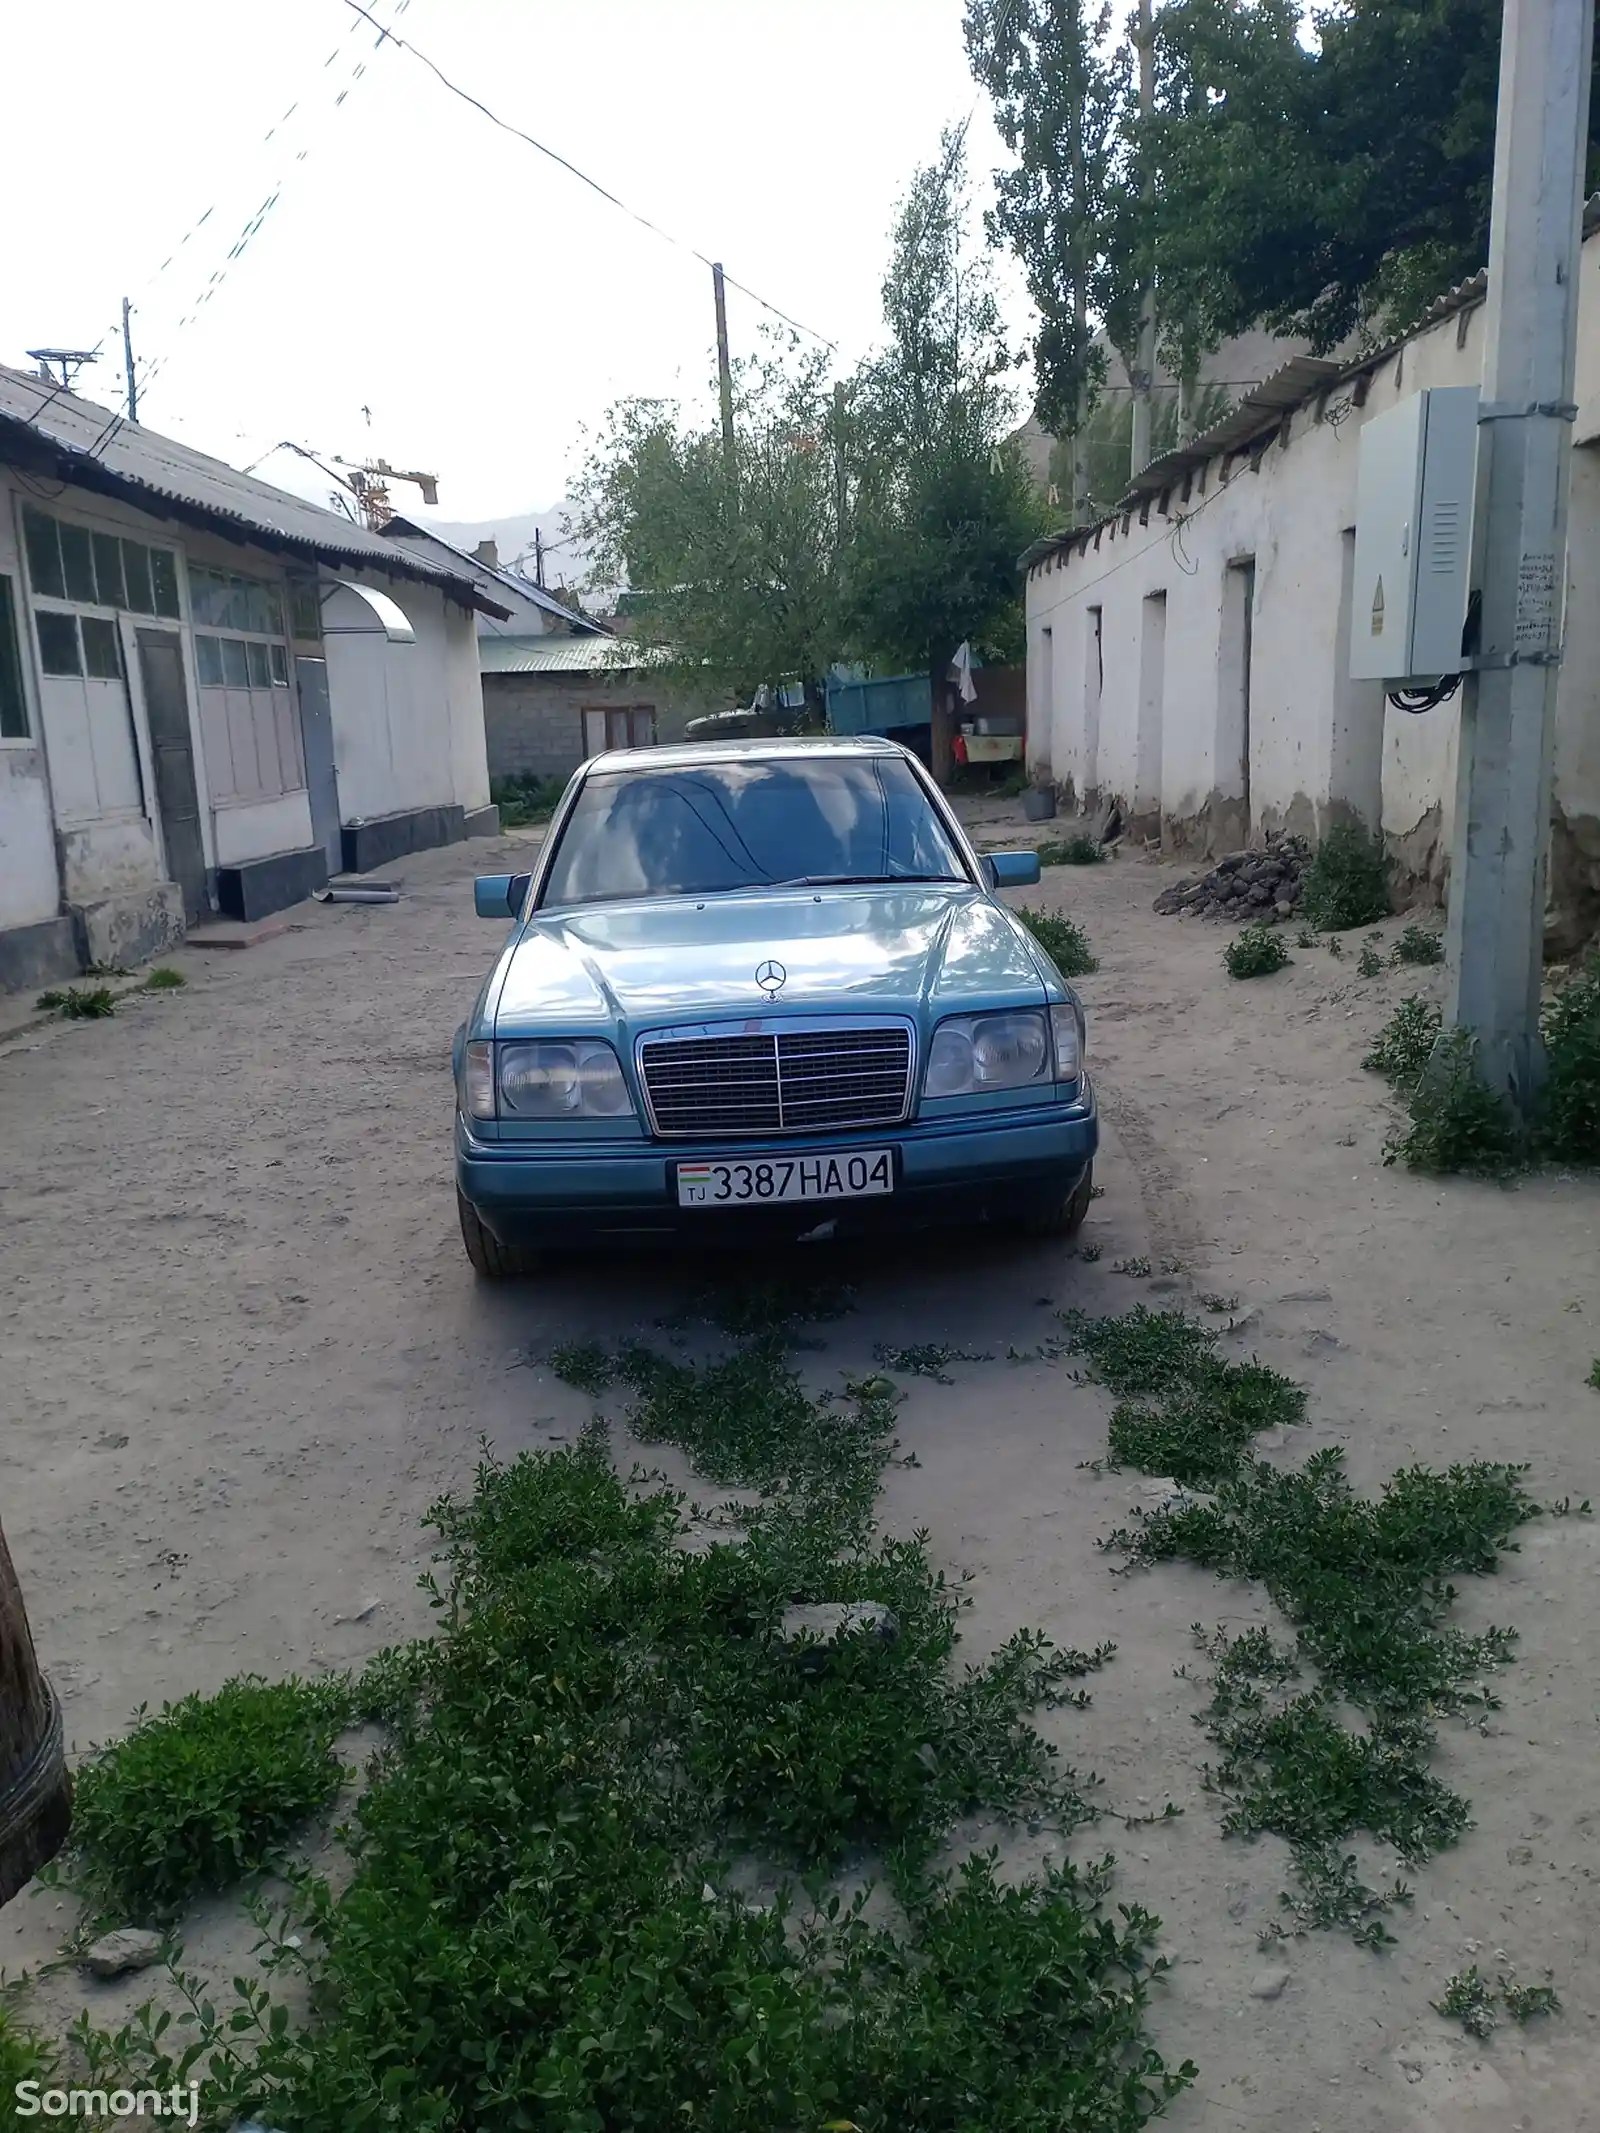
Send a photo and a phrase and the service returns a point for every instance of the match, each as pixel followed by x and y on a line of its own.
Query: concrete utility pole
pixel 724 368
pixel 1145 364
pixel 127 358
pixel 1502 823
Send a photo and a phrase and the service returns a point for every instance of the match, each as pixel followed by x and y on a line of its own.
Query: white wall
pixel 407 718
pixel 30 887
pixel 1321 746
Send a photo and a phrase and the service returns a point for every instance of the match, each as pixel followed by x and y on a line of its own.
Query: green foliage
pixel 943 503
pixel 81 1003
pixel 928 1359
pixel 1524 2002
pixel 522 800
pixel 209 1790
pixel 1593 1379
pixel 1419 944
pixel 1367 1586
pixel 23 2057
pixel 1369 964
pixel 1255 953
pixel 1475 2003
pixel 1075 851
pixel 1347 881
pixel 1184 1411
pixel 1063 940
pixel 1405 1043
pixel 165 979
pixel 1570 1115
pixel 1456 1122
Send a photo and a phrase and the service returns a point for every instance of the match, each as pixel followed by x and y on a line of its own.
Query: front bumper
pixel 948 1170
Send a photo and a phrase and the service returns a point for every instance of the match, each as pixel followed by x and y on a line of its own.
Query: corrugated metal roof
pixel 567 655
pixel 96 449
pixel 493 579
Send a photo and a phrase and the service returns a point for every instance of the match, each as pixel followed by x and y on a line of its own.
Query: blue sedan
pixel 764 990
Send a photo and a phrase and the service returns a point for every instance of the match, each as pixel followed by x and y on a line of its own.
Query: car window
pixel 714 827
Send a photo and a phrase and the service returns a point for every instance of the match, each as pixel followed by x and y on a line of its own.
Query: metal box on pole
pixel 1414 494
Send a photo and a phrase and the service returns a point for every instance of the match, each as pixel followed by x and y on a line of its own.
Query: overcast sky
pixel 484 305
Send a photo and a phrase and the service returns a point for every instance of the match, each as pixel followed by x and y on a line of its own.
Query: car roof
pixel 680 754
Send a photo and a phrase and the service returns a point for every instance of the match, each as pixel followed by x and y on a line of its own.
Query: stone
pixel 1284 908
pixel 816 1629
pixel 129 1948
pixel 1267 1984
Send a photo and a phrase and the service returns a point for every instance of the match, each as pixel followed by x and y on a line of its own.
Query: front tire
pixel 491 1260
pixel 1066 1217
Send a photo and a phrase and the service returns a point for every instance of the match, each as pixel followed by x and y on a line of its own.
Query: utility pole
pixel 1145 363
pixel 538 558
pixel 724 368
pixel 841 476
pixel 1502 820
pixel 127 358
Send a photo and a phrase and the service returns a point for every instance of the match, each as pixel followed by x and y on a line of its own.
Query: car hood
pixel 922 952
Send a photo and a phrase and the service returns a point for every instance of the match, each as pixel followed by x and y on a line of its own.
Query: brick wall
pixel 533 723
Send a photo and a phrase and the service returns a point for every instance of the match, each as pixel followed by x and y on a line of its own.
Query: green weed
pixel 1183 1410
pixel 1570 1113
pixel 165 979
pixel 206 1792
pixel 1524 2002
pixel 1346 883
pixel 1469 2000
pixel 1418 944
pixel 1305 938
pixel 1065 942
pixel 1457 1123
pixel 1593 1379
pixel 1369 964
pixel 1255 953
pixel 523 800
pixel 80 1003
pixel 1075 851
pixel 1405 1042
pixel 1334 946
pixel 928 1360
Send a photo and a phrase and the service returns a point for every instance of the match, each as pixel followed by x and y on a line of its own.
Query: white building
pixel 1188 656
pixel 212 694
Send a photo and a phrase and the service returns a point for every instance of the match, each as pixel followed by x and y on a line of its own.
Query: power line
pixel 594 185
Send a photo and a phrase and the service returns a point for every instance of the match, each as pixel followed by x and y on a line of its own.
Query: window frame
pixel 12 670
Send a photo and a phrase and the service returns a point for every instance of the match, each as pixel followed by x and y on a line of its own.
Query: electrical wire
pixel 583 177
pixel 1416 701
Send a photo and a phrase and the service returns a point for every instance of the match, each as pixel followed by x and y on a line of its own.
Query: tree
pixel 1067 210
pixel 35 1789
pixel 740 563
pixel 1329 188
pixel 942 503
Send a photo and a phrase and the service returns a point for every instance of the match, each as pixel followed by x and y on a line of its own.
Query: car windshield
pixel 711 828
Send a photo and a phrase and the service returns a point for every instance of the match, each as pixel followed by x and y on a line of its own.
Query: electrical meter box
pixel 1414 492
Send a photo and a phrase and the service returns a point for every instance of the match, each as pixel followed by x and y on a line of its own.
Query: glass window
pixel 743 824
pixel 305 607
pixel 58 642
pixel 235 664
pixel 208 653
pixel 13 704
pixel 108 570
pixel 136 576
pixel 77 562
pixel 164 581
pixel 260 672
pixel 102 655
pixel 280 666
pixel 44 554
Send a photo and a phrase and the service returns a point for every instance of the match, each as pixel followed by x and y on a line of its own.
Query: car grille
pixel 779 1081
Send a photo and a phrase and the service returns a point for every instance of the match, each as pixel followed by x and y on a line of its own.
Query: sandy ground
pixel 242 1352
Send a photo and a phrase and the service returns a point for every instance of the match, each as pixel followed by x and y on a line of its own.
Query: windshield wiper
pixel 839 881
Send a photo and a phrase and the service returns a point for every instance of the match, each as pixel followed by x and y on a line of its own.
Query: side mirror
pixel 501 895
pixel 1012 870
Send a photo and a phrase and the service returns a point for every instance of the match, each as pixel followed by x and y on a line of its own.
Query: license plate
pixel 859 1175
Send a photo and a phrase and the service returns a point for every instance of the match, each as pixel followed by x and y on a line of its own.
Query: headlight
pixel 577 1079
pixel 1066 1030
pixel 976 1052
pixel 550 1081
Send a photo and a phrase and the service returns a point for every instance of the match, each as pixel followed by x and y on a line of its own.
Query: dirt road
pixel 242 1352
